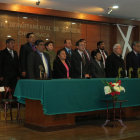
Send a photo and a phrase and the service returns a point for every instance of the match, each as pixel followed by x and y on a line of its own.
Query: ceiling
pixel 128 9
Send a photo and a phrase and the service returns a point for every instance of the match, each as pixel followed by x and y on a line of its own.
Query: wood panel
pixel 81 16
pixel 34 116
pixel 59 28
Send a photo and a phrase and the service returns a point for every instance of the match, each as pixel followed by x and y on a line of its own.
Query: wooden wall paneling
pixel 75 32
pixel 105 35
pixel 136 34
pixel 6 28
pixel 93 35
pixel 50 12
pixel 83 30
pixel 112 37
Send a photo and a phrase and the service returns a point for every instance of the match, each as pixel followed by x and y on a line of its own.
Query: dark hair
pixel 48 42
pixel 82 39
pixel 94 53
pixel 28 35
pixel 134 43
pixel 78 42
pixel 37 42
pixel 9 40
pixel 65 41
pixel 99 43
pixel 59 51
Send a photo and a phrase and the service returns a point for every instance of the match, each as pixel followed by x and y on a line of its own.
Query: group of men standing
pixel 97 64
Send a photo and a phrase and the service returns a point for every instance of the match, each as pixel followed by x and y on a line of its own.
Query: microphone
pixel 41 72
pixel 138 71
pixel 119 72
pixel 130 72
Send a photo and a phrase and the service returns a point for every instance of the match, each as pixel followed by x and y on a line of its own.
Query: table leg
pixel 120 120
pixel 107 117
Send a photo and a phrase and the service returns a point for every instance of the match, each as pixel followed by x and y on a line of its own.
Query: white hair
pixel 115 46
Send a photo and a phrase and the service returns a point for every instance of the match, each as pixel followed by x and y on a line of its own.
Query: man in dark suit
pixel 68 50
pixel 9 65
pixel 79 62
pixel 25 50
pixel 38 65
pixel 97 67
pixel 133 60
pixel 115 66
pixel 101 49
pixel 86 52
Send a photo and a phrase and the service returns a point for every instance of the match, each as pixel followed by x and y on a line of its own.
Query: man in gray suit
pixel 38 65
pixel 97 67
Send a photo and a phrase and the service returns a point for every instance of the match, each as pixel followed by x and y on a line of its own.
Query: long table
pixel 68 96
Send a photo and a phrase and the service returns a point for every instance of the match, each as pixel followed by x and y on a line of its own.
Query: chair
pixel 7 102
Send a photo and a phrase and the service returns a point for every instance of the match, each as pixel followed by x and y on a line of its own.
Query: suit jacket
pixel 25 50
pixel 92 54
pixel 113 63
pixel 77 63
pixel 9 68
pixel 96 70
pixel 34 61
pixel 132 60
pixel 59 70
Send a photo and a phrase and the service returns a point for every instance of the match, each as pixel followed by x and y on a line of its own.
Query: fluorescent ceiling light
pixel 115 7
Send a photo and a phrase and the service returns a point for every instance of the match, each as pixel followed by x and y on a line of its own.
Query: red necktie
pixel 104 55
pixel 87 55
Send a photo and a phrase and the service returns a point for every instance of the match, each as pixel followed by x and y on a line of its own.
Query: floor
pixel 15 131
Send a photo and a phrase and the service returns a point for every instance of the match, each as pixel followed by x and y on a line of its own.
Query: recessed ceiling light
pixel 73 23
pixel 6 21
pixel 132 19
pixel 25 17
pixel 115 7
pixel 9 36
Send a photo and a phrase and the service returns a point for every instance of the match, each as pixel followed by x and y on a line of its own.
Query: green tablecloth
pixel 75 95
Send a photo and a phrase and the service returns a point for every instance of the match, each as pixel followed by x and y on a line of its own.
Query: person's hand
pixel 6 89
pixel 1 78
pixel 18 78
pixel 23 74
pixel 87 76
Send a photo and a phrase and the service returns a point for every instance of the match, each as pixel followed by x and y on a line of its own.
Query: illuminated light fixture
pixel 47 39
pixel 25 17
pixel 6 21
pixel 109 11
pixel 73 23
pixel 38 2
pixel 9 36
pixel 115 7
pixel 67 27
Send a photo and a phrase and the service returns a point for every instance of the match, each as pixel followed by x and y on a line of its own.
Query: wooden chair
pixel 7 103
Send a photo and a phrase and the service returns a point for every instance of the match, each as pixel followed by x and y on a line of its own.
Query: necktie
pixel 87 55
pixel 83 59
pixel 44 63
pixel 12 53
pixel 104 57
pixel 33 48
pixel 69 51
